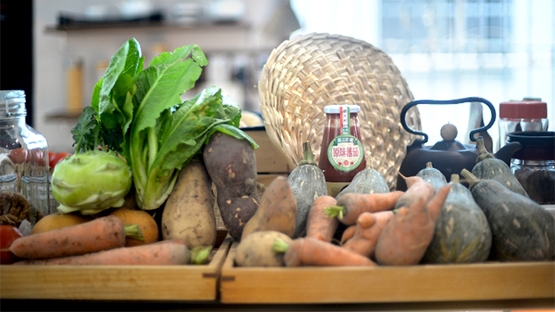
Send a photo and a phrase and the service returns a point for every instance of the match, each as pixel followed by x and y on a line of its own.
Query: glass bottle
pixel 530 114
pixel 534 164
pixel 23 155
pixel 341 152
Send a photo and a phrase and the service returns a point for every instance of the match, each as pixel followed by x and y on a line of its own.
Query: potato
pixel 189 210
pixel 256 250
pixel 58 221
pixel 277 210
pixel 231 164
pixel 144 220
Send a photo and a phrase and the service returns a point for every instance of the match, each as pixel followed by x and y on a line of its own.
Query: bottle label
pixel 345 151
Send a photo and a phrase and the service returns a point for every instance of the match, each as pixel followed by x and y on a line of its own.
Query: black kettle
pixel 448 156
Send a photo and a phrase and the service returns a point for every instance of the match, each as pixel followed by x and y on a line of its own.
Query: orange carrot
pixel 409 233
pixel 416 188
pixel 165 252
pixel 351 205
pixel 348 233
pixel 313 252
pixel 98 234
pixel 318 225
pixel 368 229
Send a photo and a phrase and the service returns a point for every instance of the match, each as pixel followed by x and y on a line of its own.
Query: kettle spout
pixel 506 152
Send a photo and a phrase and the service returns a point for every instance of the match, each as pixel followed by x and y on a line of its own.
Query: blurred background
pixel 500 50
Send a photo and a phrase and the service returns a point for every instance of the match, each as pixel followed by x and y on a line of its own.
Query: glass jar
pixel 342 152
pixel 534 164
pixel 24 155
pixel 530 114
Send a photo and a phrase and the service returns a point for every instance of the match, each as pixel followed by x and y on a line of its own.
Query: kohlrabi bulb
pixel 91 182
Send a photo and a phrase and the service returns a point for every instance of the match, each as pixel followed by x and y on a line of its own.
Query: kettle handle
pixel 441 102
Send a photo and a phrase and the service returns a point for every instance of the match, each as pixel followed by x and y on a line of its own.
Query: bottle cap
pixel 527 109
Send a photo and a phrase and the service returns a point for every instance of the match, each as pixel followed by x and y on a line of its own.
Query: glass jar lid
pixel 12 103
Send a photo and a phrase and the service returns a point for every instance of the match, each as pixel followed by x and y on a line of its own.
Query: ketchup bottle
pixel 342 152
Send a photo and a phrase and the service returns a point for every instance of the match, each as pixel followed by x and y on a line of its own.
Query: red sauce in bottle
pixel 342 152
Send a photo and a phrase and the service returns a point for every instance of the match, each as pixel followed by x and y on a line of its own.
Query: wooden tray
pixel 185 282
pixel 422 283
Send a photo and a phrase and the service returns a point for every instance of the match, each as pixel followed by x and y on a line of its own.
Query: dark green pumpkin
pixel 490 168
pixel 522 230
pixel 462 233
pixel 367 181
pixel 433 176
pixel 307 182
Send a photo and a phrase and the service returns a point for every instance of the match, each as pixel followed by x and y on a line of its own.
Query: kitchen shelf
pixel 147 26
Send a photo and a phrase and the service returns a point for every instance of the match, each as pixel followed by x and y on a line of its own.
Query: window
pixel 499 50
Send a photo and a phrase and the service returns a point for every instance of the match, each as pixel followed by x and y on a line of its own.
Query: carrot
pixel 351 205
pixel 416 188
pixel 318 224
pixel 314 252
pixel 348 233
pixel 368 229
pixel 98 234
pixel 409 233
pixel 165 252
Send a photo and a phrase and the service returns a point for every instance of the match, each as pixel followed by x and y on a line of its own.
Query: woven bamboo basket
pixel 308 72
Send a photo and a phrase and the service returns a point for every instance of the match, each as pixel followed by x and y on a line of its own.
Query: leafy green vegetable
pixel 140 113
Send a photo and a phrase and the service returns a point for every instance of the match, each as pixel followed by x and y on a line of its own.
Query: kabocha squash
pixel 490 168
pixel 307 181
pixel 521 229
pixel 367 181
pixel 433 176
pixel 462 233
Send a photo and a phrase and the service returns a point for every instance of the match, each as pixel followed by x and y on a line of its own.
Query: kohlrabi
pixel 90 182
pixel 139 112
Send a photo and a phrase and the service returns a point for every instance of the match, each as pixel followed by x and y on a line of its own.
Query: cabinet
pixel 233 44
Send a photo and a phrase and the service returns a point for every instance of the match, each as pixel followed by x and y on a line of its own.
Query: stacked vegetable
pixel 139 151
pixel 432 222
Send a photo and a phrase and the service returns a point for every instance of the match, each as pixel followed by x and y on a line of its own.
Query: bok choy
pixel 139 113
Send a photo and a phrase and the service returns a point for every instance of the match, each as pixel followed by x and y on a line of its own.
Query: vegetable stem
pixel 134 231
pixel 335 211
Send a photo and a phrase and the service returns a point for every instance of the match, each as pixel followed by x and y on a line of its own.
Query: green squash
pixel 522 230
pixel 367 181
pixel 307 182
pixel 433 176
pixel 490 168
pixel 462 233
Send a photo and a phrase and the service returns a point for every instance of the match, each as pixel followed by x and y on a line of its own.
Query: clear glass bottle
pixel 534 164
pixel 23 155
pixel 341 152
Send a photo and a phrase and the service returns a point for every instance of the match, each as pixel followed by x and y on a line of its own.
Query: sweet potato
pixel 189 211
pixel 277 210
pixel 256 250
pixel 231 164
